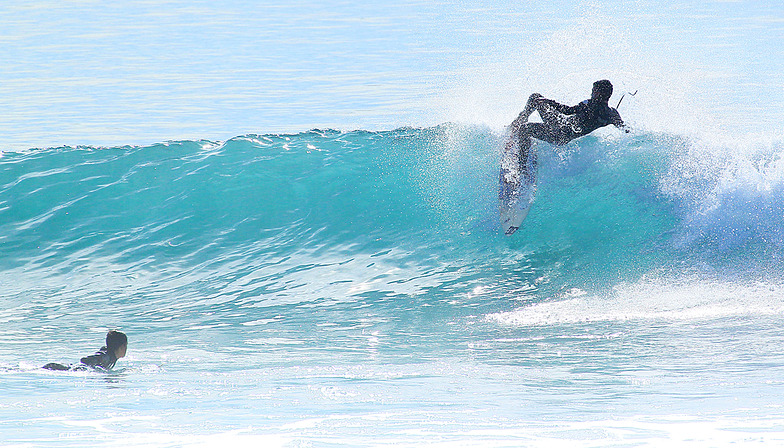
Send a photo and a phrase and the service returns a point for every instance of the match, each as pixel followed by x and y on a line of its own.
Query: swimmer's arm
pixel 91 361
pixel 95 360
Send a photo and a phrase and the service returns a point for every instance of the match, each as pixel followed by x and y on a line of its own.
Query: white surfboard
pixel 517 185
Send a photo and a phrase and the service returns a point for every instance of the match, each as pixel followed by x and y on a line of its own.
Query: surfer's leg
pixel 550 117
pixel 531 105
pixel 525 148
pixel 539 131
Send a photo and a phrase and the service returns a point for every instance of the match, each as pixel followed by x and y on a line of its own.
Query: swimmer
pixel 103 359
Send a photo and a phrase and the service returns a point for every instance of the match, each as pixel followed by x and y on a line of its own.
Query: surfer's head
pixel 117 343
pixel 602 90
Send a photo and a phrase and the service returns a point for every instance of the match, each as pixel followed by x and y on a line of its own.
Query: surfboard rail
pixel 517 186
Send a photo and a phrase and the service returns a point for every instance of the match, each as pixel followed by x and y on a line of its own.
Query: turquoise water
pixel 330 288
pixel 312 257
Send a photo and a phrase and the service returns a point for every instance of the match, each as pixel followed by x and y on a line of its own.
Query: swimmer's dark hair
pixel 602 90
pixel 115 340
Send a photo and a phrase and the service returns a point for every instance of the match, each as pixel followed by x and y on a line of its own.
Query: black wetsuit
pixel 562 124
pixel 102 359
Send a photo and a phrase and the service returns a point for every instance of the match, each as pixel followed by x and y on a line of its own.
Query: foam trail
pixel 648 302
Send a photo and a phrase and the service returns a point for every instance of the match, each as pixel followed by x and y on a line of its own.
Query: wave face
pixel 307 286
pixel 331 215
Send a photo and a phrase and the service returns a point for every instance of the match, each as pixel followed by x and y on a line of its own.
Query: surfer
pixel 105 358
pixel 561 123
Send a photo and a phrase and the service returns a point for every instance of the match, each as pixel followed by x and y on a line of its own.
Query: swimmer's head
pixel 117 343
pixel 602 90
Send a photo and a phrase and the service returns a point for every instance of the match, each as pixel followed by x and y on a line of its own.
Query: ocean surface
pixel 292 212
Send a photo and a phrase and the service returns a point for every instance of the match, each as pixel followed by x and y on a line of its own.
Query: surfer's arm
pixel 615 119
